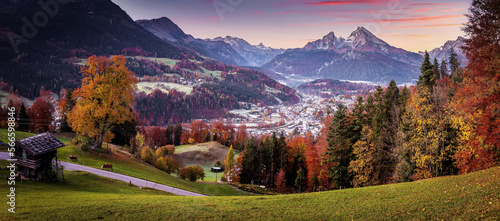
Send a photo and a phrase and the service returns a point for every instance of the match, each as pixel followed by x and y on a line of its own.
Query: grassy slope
pixel 126 165
pixel 467 197
pixel 209 176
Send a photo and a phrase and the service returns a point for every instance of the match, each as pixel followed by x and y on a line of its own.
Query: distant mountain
pixel 256 55
pixel 443 52
pixel 360 57
pixel 79 29
pixel 167 30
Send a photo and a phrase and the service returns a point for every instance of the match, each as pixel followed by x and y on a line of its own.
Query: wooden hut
pixel 34 155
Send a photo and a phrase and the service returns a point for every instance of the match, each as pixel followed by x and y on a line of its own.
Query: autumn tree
pixel 478 97
pixel 42 111
pixel 104 98
pixel 229 170
pixel 280 183
pixel 313 166
pixel 365 166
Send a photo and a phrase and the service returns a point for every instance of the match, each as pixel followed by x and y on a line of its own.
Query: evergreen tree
pixel 169 133
pixel 427 78
pixel 456 71
pixel 301 179
pixel 435 69
pixel 339 152
pixel 24 119
pixel 68 106
pixel 443 70
pixel 177 134
pixel 249 162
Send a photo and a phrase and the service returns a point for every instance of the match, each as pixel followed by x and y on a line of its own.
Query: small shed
pixel 217 169
pixel 34 155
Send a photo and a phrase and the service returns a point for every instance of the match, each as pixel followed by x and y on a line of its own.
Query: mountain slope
pixel 256 55
pixel 362 56
pixel 167 30
pixel 79 29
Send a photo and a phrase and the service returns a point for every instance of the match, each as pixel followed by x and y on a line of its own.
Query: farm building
pixel 34 155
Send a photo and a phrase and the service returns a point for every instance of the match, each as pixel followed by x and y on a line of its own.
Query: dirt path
pixel 121 177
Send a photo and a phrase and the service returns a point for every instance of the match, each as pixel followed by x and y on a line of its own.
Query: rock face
pixel 443 52
pixel 167 30
pixel 361 57
pixel 256 55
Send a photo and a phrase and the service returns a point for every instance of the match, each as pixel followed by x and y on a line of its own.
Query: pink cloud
pixel 355 2
pixel 426 26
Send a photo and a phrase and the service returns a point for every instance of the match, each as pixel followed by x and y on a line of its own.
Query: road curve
pixel 121 177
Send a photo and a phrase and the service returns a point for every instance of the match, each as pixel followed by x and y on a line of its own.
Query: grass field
pixel 165 61
pixel 474 196
pixel 125 164
pixel 178 87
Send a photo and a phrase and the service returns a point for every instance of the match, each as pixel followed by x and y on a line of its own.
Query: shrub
pixel 192 173
pixel 165 150
pixel 167 164
pixel 191 141
pixel 84 142
pixel 147 155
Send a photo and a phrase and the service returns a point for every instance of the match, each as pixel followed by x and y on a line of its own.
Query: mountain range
pixel 230 50
pixel 443 52
pixel 360 57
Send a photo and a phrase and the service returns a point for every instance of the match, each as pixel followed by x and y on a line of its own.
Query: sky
pixel 409 24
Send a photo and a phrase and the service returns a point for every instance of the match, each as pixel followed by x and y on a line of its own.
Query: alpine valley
pixel 183 77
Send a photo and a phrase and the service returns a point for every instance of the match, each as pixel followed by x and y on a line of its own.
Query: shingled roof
pixel 41 143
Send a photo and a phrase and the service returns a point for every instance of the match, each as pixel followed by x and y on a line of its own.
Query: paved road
pixel 121 177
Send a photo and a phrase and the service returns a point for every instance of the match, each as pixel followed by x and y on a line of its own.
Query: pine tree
pixel 456 72
pixel 169 133
pixel 24 119
pixel 339 152
pixel 300 180
pixel 443 70
pixel 249 162
pixel 435 69
pixel 427 78
pixel 177 134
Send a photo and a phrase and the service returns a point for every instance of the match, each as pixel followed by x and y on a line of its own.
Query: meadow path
pixel 121 177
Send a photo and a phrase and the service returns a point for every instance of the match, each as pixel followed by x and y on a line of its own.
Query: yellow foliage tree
pixel 229 170
pixel 363 167
pixel 428 116
pixel 105 97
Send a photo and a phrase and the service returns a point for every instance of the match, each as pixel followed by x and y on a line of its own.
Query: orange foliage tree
pixel 105 97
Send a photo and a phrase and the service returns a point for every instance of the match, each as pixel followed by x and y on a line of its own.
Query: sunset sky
pixel 409 24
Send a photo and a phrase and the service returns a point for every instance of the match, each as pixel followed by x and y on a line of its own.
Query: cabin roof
pixel 41 143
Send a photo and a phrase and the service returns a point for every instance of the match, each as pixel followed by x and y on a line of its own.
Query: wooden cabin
pixel 34 155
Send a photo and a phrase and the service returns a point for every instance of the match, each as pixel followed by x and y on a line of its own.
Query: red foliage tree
pixel 280 183
pixel 42 111
pixel 478 95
